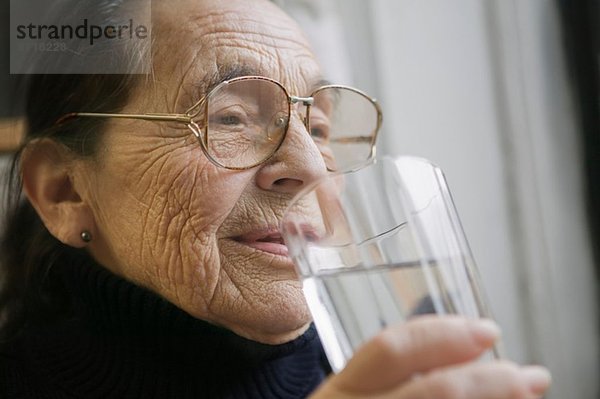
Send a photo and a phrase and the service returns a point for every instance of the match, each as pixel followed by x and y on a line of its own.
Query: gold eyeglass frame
pixel 202 104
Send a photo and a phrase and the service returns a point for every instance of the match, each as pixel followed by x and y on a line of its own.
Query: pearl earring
pixel 86 236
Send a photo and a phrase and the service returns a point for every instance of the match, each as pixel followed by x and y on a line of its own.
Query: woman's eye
pixel 230 120
pixel 320 125
pixel 319 132
pixel 316 133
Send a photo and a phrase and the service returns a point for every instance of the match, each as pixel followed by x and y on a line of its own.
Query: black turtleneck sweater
pixel 123 341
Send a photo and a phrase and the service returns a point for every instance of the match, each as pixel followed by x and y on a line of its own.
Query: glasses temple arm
pixel 148 117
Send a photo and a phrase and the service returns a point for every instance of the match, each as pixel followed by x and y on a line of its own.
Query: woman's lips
pixel 266 240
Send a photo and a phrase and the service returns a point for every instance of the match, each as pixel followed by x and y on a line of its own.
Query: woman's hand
pixel 432 357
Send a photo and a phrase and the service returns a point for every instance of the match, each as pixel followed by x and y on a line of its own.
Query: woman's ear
pixel 46 168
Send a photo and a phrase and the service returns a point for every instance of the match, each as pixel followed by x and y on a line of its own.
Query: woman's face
pixel 204 237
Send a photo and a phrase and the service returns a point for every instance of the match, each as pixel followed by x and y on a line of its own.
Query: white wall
pixel 442 107
pixel 479 87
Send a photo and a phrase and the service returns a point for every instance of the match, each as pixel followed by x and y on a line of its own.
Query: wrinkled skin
pixel 165 216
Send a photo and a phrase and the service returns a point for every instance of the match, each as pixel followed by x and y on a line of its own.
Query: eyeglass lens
pixel 247 120
pixel 343 123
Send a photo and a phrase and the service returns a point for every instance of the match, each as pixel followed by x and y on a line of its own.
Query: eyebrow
pixel 227 72
pixel 231 71
pixel 321 82
pixel 224 72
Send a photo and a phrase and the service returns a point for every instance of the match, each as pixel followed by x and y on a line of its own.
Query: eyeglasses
pixel 242 122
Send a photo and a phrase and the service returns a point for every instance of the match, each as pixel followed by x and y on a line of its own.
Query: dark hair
pixel 30 292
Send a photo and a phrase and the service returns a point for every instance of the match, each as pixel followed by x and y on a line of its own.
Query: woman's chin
pixel 276 328
pixel 277 337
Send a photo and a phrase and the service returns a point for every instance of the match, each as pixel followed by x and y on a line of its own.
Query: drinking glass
pixel 376 246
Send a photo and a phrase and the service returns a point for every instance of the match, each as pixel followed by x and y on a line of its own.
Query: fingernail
pixel 485 331
pixel 538 378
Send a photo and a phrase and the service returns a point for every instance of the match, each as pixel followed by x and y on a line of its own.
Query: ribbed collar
pixel 126 342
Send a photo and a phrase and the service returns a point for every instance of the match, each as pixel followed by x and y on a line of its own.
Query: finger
pixel 424 343
pixel 494 380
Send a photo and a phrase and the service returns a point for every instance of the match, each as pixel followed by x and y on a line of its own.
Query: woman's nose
pixel 297 162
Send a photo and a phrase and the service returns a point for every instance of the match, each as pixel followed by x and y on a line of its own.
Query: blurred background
pixel 504 96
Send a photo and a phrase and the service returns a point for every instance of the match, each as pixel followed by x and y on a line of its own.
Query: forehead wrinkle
pixel 225 21
pixel 261 38
pixel 241 32
pixel 264 43
pixel 228 29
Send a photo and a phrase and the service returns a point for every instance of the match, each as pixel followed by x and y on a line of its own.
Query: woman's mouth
pixel 266 240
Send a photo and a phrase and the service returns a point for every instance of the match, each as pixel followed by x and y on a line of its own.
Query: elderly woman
pixel 144 259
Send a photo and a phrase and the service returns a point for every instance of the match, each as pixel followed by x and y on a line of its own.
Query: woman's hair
pixel 29 292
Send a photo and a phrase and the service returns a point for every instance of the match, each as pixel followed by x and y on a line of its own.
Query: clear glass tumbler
pixel 376 246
